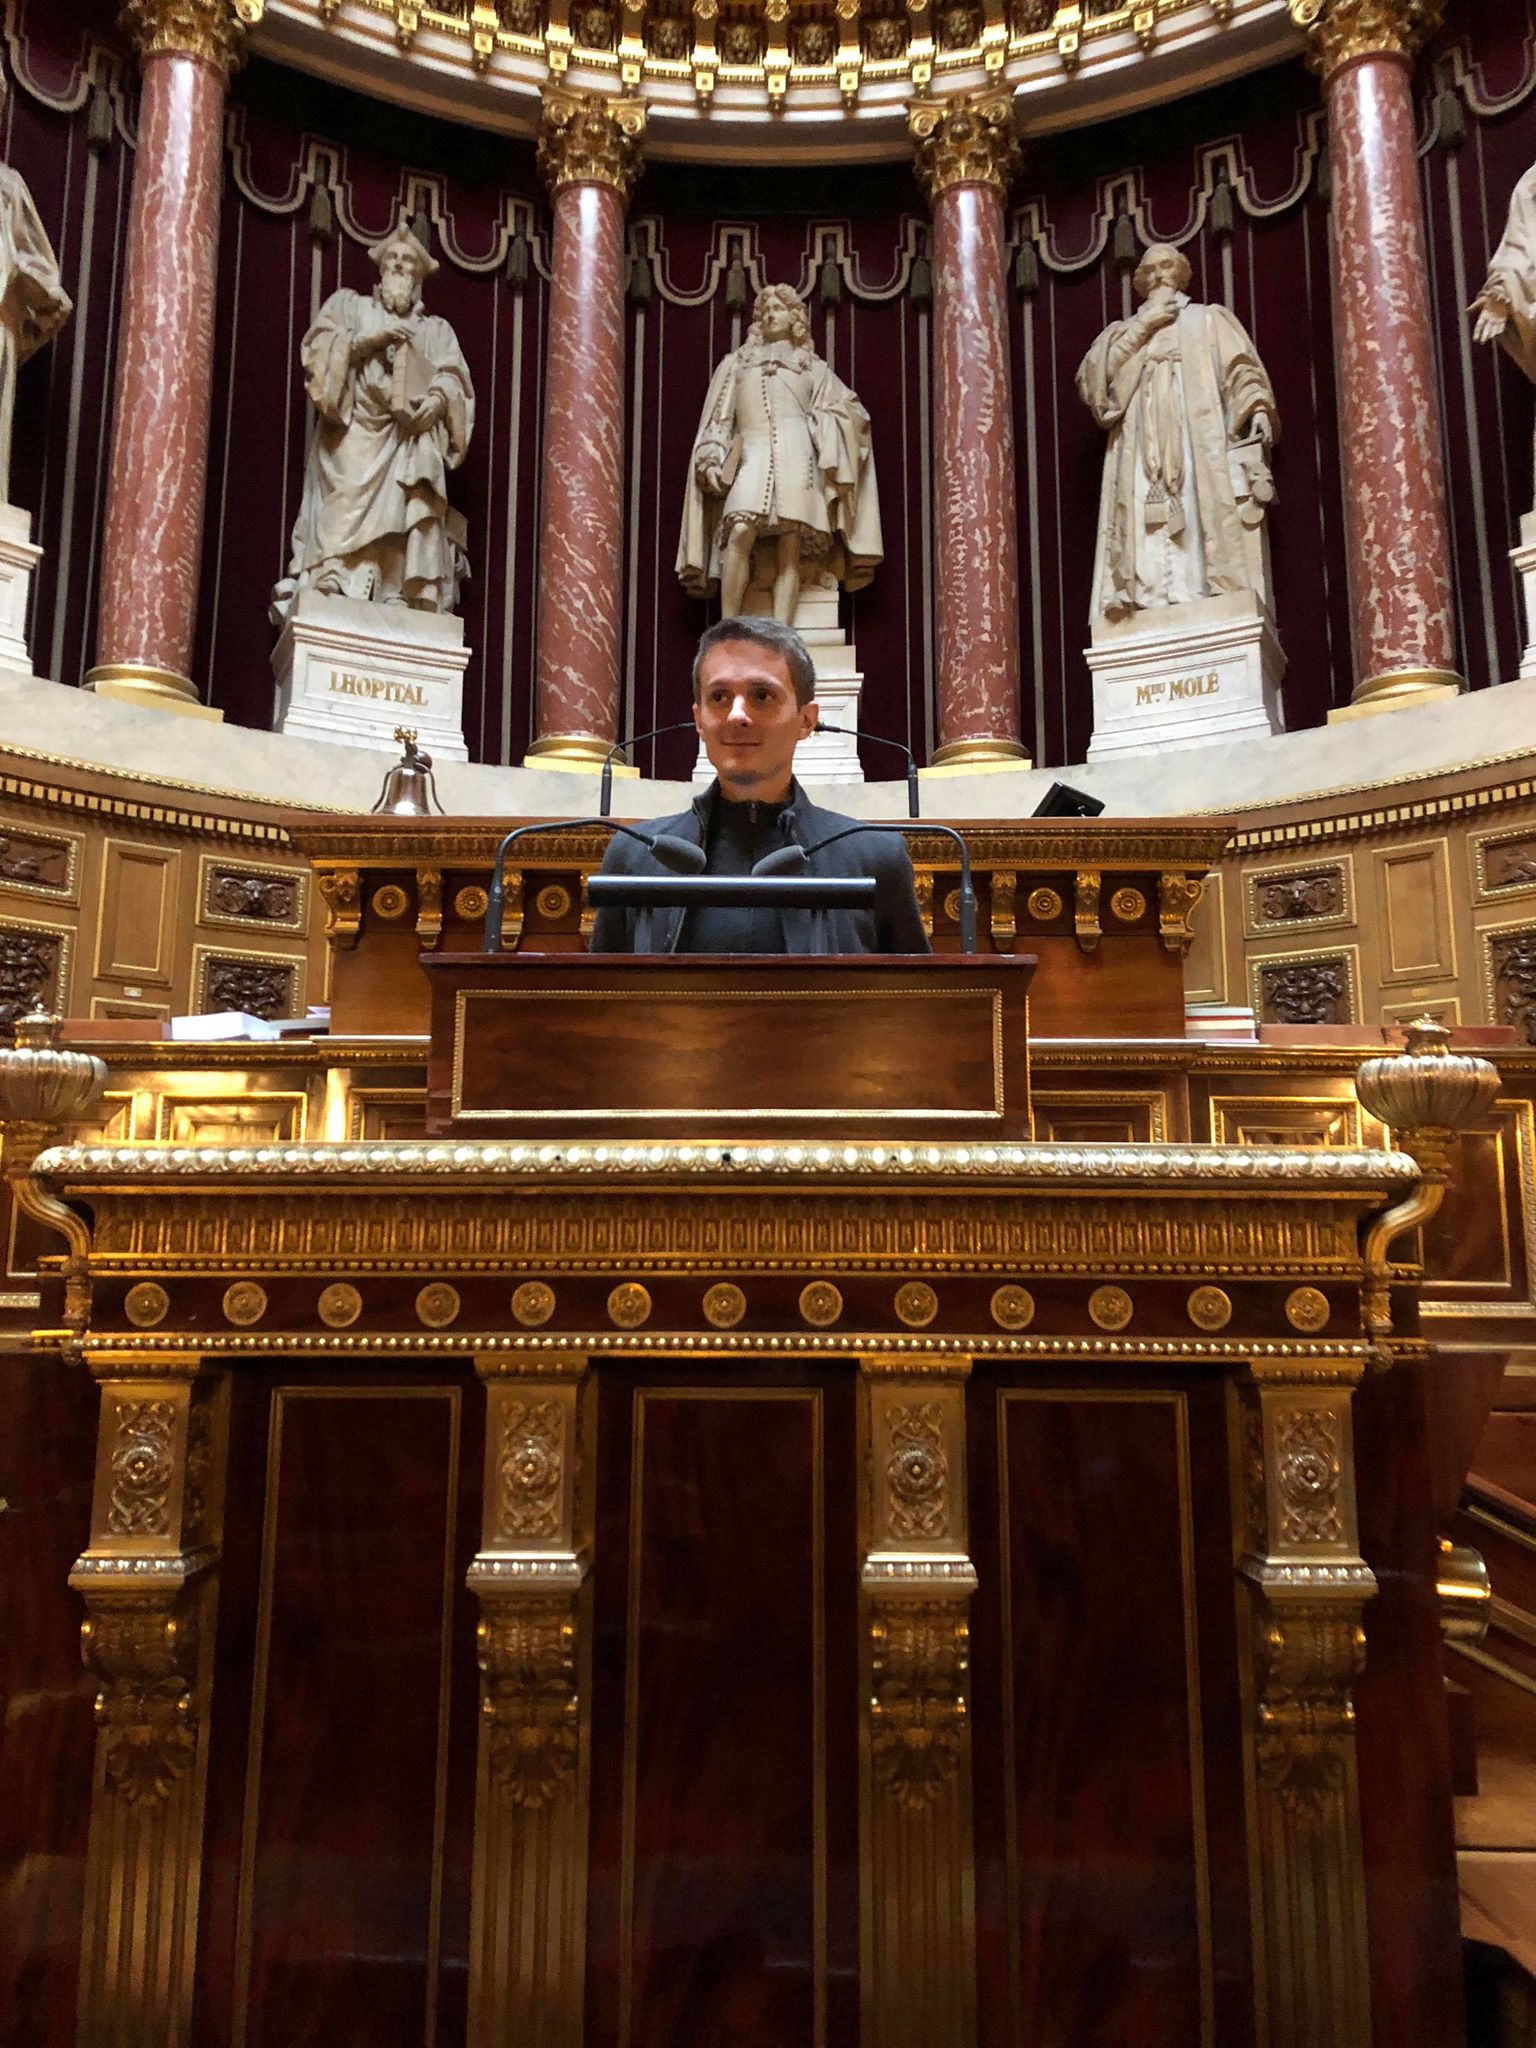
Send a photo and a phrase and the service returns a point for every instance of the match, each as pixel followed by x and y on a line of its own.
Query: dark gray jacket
pixel 891 924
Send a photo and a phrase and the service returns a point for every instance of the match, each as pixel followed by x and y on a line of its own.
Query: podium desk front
pixel 819 1048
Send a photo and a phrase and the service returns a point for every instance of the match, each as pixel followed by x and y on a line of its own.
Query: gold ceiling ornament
pixel 210 30
pixel 724 1305
pixel 965 139
pixel 533 1303
pixel 245 1303
pixel 629 1305
pixel 589 138
pixel 1339 31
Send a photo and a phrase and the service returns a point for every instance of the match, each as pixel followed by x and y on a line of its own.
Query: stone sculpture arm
pixel 1506 305
pixel 1248 397
pixel 330 355
pixel 712 443
pixel 36 304
pixel 451 399
pixel 1111 371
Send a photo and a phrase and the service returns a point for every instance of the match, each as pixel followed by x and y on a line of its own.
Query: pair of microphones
pixel 605 785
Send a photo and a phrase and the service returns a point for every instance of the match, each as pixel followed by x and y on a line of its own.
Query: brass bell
pixel 409 791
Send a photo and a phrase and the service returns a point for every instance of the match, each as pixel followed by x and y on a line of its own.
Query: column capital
pixel 212 30
pixel 966 138
pixel 589 139
pixel 1338 31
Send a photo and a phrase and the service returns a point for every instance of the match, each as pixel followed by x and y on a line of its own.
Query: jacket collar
pixel 804 930
pixel 794 819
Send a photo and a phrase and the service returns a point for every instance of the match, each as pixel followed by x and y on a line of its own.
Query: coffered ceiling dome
pixel 779 80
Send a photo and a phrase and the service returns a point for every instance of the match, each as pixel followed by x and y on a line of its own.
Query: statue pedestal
pixel 827 756
pixel 1186 676
pixel 352 673
pixel 1524 559
pixel 18 558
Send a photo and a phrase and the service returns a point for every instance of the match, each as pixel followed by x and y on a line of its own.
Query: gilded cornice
pixel 589 139
pixel 1339 31
pixel 211 30
pixel 965 139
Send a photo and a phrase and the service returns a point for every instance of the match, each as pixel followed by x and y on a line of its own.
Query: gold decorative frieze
pixel 590 139
pixel 917 1472
pixel 1340 31
pixel 967 138
pixel 211 30
pixel 919 1661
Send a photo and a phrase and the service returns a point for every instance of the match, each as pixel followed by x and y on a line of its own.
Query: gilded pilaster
pixel 149 1583
pixel 590 139
pixel 1339 31
pixel 917 1863
pixel 1308 1587
pixel 529 1888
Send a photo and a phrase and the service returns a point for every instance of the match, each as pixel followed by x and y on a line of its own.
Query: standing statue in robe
pixel 33 302
pixel 1506 305
pixel 1192 419
pixel 781 467
pixel 396 411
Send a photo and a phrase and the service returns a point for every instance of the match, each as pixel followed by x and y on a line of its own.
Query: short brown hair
pixel 762 631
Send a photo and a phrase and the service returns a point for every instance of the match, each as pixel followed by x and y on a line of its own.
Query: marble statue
pixel 33 302
pixel 1191 417
pixel 781 468
pixel 396 410
pixel 1506 305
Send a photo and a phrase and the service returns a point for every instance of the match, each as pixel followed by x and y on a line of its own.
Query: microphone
pixel 605 787
pixel 678 856
pixel 790 859
pixel 878 739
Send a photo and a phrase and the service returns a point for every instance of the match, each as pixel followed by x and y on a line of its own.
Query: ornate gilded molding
pixel 213 31
pixel 590 139
pixel 42 1091
pixel 1339 31
pixel 967 138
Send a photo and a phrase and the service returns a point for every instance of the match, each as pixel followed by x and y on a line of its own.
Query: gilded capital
pixel 966 139
pixel 213 30
pixel 1338 31
pixel 589 139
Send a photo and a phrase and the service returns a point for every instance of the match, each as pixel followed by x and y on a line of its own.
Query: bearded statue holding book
pixel 395 409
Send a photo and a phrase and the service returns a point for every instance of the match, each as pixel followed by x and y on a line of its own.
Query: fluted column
pixel 966 156
pixel 159 465
pixel 589 155
pixel 1389 424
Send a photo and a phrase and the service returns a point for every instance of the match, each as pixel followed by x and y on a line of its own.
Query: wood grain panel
pixel 341 1887
pixel 722 1891
pixel 1107 1931
pixel 136 938
pixel 1417 942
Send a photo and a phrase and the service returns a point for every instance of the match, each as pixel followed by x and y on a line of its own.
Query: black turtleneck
pixel 739 835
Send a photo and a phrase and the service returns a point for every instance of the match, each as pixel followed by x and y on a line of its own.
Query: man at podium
pixel 754 700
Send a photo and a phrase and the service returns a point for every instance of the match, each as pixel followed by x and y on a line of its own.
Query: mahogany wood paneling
pixel 1106 1769
pixel 342 1783
pixel 723 1885
pixel 47 1456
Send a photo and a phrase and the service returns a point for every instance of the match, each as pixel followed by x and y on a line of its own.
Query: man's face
pixel 1164 271
pixel 749 721
pixel 777 322
pixel 397 281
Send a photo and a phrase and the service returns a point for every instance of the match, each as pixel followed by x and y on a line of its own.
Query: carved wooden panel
pixel 247 897
pixel 1504 863
pixel 1481 1245
pixel 1305 988
pixel 1298 895
pixel 380 1115
pixel 137 914
pixel 236 1118
pixel 38 862
pixel 1285 1120
pixel 1094 1117
pixel 1416 939
pixel 268 985
pixel 1509 978
pixel 34 967
pixel 1205 964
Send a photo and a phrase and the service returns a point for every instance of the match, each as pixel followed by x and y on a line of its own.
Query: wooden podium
pixel 611 1046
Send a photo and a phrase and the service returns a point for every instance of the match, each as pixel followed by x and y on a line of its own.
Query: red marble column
pixel 590 157
pixel 1389 425
pixel 159 457
pixel 966 155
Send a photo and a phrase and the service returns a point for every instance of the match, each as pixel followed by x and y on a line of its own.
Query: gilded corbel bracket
pixel 850 51
pixel 529 1883
pixel 920 44
pixel 1003 909
pixel 429 906
pixel 706 56
pixel 923 885
pixel 1177 897
pixel 558 39
pixel 1424 1095
pixel 149 1585
pixel 1068 27
pixel 915 1803
pixel 407 23
pixel 42 1092
pixel 776 58
pixel 342 890
pixel 1085 908
pixel 483 24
